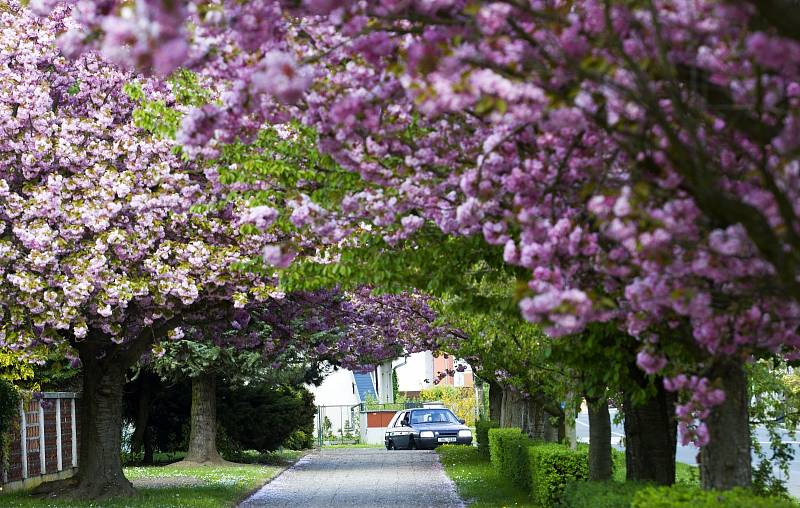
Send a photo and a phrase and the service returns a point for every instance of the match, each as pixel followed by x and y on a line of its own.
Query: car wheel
pixel 390 446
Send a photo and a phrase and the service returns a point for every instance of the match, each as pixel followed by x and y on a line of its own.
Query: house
pixel 341 415
pixel 339 401
pixel 418 371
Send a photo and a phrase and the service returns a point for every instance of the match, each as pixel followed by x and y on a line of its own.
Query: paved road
pixel 688 454
pixel 361 477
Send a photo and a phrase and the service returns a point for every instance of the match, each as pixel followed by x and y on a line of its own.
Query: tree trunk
pixel 515 411
pixel 725 460
pixel 99 464
pixel 148 447
pixel 203 436
pixel 495 401
pixel 143 405
pixel 570 414
pixel 537 420
pixel 600 464
pixel 650 436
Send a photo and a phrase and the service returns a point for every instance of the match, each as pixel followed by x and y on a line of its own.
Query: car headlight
pixel 465 433
pixel 426 433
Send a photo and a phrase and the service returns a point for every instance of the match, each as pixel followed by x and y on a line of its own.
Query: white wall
pixel 384 382
pixel 336 390
pixel 411 376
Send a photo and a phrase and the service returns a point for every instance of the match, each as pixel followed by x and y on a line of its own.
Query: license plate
pixel 447 440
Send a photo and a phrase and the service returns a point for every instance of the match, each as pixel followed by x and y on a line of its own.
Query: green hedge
pixel 552 466
pixel 508 449
pixel 482 428
pixel 516 460
pixel 581 494
pixel 685 496
pixel 497 448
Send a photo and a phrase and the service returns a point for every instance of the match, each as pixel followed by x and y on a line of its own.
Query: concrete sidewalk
pixel 361 477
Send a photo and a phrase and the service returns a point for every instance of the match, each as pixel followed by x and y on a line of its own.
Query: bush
pixel 460 400
pixel 263 417
pixel 685 496
pixel 552 466
pixel 508 449
pixel 516 461
pixel 580 494
pixel 299 440
pixel 497 446
pixel 482 434
pixel 9 409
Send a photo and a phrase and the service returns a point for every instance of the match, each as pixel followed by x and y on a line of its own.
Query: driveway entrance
pixel 360 477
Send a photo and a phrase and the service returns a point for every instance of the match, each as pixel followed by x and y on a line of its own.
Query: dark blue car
pixel 426 428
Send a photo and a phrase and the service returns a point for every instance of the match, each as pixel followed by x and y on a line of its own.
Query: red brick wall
pixel 66 433
pixel 31 409
pixel 15 460
pixel 32 419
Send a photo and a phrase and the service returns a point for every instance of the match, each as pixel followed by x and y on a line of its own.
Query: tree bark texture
pixel 528 414
pixel 651 436
pixel 570 414
pixel 148 447
pixel 495 401
pixel 725 462
pixel 100 473
pixel 143 405
pixel 203 435
pixel 600 462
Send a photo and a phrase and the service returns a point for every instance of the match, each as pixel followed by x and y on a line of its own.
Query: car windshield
pixel 433 416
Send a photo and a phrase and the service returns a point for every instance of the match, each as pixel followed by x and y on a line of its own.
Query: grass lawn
pixel 175 486
pixel 477 481
pixel 684 473
pixel 481 486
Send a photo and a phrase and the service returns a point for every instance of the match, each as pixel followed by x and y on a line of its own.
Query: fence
pixel 388 406
pixel 45 444
pixel 337 424
pixel 356 423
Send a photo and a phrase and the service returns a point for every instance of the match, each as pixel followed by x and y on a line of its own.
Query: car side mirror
pixel 462 421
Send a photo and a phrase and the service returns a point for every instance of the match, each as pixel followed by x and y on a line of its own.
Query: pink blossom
pixel 649 363
pixel 278 74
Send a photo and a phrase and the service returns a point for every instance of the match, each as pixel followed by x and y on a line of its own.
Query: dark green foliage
pixel 263 417
pixel 299 440
pixel 170 406
pixel 9 408
pixel 482 427
pixel 9 405
pixel 684 496
pixel 497 444
pixel 552 466
pixel 582 494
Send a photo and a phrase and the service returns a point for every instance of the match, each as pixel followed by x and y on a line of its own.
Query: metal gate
pixel 336 425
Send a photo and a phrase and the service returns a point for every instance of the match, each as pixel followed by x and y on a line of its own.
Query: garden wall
pixel 44 441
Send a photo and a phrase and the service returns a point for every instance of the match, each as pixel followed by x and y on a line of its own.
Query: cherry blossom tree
pixel 320 329
pixel 639 159
pixel 102 252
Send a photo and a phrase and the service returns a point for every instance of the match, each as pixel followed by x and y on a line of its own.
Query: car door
pixel 400 432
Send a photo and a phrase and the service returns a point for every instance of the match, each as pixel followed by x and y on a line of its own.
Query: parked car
pixel 426 428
